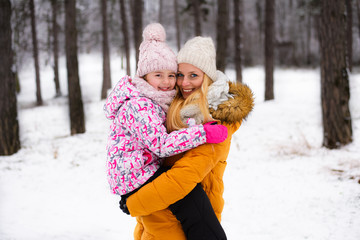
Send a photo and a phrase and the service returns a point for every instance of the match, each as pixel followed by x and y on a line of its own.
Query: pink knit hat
pixel 154 53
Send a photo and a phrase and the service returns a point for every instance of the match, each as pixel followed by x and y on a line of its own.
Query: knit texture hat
pixel 200 52
pixel 154 53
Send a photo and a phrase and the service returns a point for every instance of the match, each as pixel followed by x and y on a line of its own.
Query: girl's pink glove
pixel 215 133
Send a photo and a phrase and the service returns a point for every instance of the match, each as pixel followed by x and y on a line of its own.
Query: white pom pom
pixel 154 31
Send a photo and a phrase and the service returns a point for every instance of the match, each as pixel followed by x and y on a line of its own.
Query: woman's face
pixel 189 79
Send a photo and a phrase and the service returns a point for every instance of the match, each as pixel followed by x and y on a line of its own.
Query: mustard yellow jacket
pixel 205 164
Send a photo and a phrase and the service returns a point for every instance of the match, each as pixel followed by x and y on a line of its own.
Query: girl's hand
pixel 215 133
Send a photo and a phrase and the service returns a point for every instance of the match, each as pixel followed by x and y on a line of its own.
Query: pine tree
pixel 35 53
pixel 77 121
pixel 222 34
pixel 9 125
pixel 55 30
pixel 335 93
pixel 105 49
pixel 269 49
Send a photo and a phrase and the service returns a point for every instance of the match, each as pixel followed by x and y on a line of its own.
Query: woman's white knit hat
pixel 200 52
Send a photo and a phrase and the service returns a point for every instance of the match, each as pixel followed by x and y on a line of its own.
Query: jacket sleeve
pixel 177 182
pixel 154 136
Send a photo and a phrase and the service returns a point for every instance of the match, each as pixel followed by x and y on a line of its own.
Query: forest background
pixel 296 28
pixel 294 33
pixel 282 183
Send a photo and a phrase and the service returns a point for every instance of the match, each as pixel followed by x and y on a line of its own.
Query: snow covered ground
pixel 279 184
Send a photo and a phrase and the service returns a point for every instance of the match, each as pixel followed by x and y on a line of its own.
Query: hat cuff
pixel 204 64
pixel 155 66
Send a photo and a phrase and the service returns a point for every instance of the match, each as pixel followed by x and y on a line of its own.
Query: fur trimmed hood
pixel 238 107
pixel 229 102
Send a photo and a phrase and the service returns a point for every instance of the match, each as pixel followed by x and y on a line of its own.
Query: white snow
pixel 280 182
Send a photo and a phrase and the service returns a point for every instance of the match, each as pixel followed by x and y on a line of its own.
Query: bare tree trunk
pixel 222 34
pixel 35 53
pixel 269 49
pixel 238 15
pixel 335 92
pixel 17 28
pixel 259 17
pixel 358 14
pixel 125 32
pixel 55 30
pixel 349 33
pixel 137 12
pixel 77 121
pixel 177 24
pixel 105 48
pixel 197 16
pixel 308 37
pixel 9 125
pixel 160 10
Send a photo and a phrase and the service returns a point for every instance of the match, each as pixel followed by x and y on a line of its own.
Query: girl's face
pixel 189 79
pixel 163 80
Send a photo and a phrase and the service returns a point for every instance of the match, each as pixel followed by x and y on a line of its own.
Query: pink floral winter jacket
pixel 138 139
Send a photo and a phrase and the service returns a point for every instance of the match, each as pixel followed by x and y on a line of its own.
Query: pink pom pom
pixel 154 31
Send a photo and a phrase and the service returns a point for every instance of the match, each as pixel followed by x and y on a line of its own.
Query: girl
pixel 138 140
pixel 204 93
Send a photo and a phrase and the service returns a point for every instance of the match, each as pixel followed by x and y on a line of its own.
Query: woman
pixel 203 94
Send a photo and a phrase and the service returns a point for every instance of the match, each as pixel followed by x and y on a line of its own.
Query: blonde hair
pixel 198 97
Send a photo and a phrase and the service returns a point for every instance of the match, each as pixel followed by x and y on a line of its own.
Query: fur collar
pixel 238 107
pixel 228 106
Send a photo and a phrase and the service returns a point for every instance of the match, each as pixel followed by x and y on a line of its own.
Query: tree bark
pixel 137 12
pixel 55 30
pixel 77 122
pixel 335 93
pixel 9 125
pixel 222 34
pixel 105 49
pixel 197 16
pixel 269 49
pixel 349 33
pixel 125 32
pixel 177 24
pixel 35 53
pixel 358 14
pixel 161 5
pixel 238 15
pixel 259 18
pixel 308 36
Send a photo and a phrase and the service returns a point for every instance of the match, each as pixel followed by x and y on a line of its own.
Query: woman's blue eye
pixel 193 75
pixel 179 75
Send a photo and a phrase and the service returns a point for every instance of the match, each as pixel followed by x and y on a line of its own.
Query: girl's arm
pixel 153 133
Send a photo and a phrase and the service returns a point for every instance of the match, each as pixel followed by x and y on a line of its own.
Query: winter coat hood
pixel 123 91
pixel 237 107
